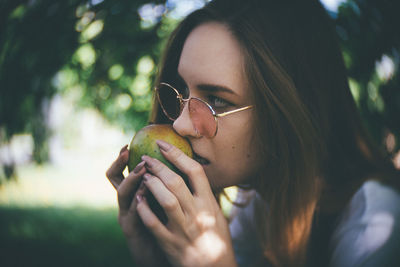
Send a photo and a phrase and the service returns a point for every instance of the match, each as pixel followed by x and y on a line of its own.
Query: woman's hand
pixel 196 233
pixel 142 244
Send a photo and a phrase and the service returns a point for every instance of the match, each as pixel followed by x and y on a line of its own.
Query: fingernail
pixel 163 145
pixel 149 161
pixel 139 198
pixel 146 177
pixel 139 167
pixel 124 148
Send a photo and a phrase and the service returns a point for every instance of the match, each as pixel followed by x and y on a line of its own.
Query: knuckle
pixel 109 173
pixel 193 228
pixel 175 152
pixel 179 155
pixel 195 169
pixel 197 225
pixel 174 183
pixel 157 166
pixel 132 177
pixel 151 223
pixel 151 180
pixel 170 205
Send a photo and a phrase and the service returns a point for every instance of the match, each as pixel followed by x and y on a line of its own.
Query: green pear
pixel 144 143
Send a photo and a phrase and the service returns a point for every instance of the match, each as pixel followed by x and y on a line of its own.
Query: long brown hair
pixel 307 126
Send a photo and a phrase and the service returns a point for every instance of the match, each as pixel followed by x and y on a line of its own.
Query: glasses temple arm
pixel 232 111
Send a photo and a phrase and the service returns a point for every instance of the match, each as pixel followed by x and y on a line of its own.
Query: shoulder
pixel 243 223
pixel 245 237
pixel 368 232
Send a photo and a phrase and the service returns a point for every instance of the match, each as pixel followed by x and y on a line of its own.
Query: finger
pixel 172 181
pixel 195 172
pixel 151 221
pixel 141 191
pixel 129 186
pixel 130 218
pixel 164 197
pixel 114 173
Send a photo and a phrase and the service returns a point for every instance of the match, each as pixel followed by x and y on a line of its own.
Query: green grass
pixel 55 236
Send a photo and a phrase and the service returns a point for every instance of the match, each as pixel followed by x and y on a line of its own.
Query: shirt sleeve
pixel 368 233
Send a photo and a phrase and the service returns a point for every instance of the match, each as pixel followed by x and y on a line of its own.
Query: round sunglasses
pixel 202 115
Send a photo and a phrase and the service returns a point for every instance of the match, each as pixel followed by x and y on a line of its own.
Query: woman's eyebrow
pixel 215 88
pixel 212 88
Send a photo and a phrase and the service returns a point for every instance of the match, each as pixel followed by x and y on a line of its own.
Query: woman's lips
pixel 200 159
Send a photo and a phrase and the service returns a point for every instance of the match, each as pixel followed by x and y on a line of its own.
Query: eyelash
pixel 217 102
pixel 210 99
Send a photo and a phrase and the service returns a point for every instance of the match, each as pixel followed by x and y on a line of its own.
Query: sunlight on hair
pixel 296 234
pixel 376 234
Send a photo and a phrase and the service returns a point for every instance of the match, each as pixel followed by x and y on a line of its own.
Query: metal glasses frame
pixel 182 102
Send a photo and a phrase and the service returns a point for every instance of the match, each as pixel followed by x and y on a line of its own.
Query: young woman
pixel 259 89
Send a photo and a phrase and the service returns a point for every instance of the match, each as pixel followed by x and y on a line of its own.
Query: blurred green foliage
pixel 61 237
pixel 370 39
pixel 105 54
pixel 101 52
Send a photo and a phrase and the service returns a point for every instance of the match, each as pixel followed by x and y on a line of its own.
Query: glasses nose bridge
pixel 188 122
pixel 182 102
pixel 183 124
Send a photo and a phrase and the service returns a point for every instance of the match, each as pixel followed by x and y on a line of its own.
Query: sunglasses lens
pixel 202 118
pixel 169 101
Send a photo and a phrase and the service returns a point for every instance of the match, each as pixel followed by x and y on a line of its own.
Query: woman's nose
pixel 183 124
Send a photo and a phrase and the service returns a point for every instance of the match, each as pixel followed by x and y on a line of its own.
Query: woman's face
pixel 211 56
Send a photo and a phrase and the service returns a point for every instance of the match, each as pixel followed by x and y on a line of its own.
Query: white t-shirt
pixel 367 233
